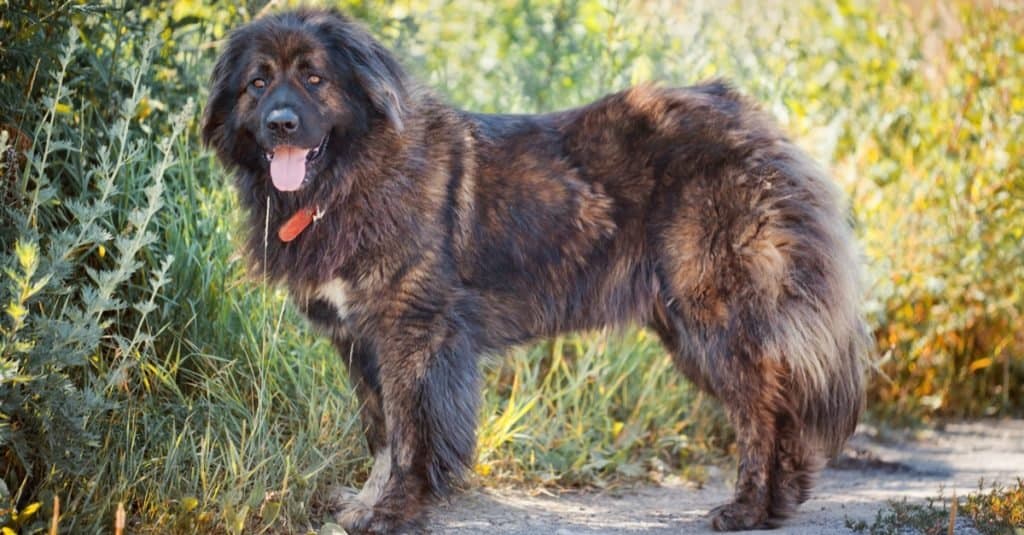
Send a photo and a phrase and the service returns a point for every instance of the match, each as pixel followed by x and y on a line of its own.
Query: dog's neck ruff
pixel 298 222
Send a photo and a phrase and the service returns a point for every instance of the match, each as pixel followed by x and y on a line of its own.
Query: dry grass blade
pixel 952 514
pixel 119 519
pixel 55 519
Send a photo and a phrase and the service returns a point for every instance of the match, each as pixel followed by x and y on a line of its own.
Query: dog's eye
pixel 259 83
pixel 313 79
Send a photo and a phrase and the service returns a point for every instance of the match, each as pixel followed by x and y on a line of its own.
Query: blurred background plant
pixel 139 367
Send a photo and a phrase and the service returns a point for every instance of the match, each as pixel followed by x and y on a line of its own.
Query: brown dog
pixel 418 237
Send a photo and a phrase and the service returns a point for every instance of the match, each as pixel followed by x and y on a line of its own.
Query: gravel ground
pixel 870 473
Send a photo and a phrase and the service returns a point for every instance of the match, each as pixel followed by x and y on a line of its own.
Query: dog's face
pixel 290 92
pixel 289 106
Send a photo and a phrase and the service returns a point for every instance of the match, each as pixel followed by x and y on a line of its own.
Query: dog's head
pixel 291 90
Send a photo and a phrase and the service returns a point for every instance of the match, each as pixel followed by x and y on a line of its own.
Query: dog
pixel 418 237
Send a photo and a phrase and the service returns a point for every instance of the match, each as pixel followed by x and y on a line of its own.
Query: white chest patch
pixel 336 293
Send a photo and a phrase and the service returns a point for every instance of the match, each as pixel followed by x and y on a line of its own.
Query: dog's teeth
pixel 269 156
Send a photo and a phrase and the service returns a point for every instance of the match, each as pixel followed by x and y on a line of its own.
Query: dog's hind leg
pixel 797 462
pixel 751 389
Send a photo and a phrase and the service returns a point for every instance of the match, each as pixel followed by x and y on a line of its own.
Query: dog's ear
pixel 373 67
pixel 382 78
pixel 223 95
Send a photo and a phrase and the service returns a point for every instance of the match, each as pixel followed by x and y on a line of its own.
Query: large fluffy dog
pixel 418 236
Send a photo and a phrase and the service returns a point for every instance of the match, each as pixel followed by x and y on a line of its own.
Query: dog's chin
pixel 292 167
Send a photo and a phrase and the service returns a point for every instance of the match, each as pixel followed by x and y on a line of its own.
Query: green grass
pixel 139 365
pixel 903 517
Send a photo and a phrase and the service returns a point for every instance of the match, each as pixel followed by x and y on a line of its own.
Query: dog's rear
pixel 686 210
pixel 760 293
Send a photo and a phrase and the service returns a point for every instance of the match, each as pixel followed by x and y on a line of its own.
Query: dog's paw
pixel 737 516
pixel 338 497
pixel 355 517
pixel 358 519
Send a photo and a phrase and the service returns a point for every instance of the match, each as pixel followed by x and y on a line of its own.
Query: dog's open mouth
pixel 289 164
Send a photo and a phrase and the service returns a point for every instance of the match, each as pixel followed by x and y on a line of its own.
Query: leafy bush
pixel 932 153
pixel 82 280
pixel 100 381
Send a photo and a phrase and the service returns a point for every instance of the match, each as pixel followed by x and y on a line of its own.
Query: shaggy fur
pixel 448 234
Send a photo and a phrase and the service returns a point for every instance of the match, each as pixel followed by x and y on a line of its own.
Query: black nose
pixel 283 121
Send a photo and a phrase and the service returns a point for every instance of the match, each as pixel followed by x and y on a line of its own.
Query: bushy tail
pixel 831 415
pixel 821 333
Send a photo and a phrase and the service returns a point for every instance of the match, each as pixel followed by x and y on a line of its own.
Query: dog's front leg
pixel 429 382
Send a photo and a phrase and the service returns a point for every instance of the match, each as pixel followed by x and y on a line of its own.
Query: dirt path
pixel 871 473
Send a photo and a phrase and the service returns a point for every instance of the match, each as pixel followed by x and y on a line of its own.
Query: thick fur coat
pixel 439 235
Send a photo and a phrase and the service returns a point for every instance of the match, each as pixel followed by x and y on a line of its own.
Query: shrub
pixel 82 279
pixel 113 381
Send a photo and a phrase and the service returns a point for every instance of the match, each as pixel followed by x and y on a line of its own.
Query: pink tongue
pixel 288 168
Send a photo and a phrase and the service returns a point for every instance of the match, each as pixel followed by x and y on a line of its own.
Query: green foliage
pixel 139 366
pixel 100 381
pixel 935 174
pixel 565 413
pixel 81 280
pixel 903 517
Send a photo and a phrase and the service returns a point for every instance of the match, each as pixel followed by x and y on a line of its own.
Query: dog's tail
pixel 822 337
pixel 831 407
